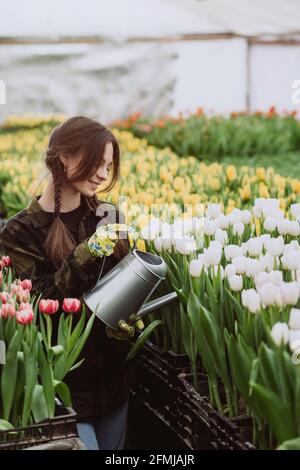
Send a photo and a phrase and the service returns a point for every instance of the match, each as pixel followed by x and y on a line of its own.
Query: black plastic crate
pixel 61 426
pixel 200 424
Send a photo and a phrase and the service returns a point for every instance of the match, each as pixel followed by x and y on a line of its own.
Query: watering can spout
pixel 156 304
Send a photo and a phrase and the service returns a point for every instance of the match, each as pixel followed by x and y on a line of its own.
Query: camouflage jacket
pixel 102 382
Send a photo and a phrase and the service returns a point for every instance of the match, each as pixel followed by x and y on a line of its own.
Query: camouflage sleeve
pixel 72 279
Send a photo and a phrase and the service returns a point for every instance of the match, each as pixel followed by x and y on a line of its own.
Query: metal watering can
pixel 124 289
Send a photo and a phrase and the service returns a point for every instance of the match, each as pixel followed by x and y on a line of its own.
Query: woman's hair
pixel 84 136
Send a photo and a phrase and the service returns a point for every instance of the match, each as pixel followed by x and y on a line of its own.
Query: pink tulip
pixel 26 284
pixel 24 317
pixel 71 305
pixel 24 306
pixel 6 261
pixel 48 306
pixel 5 297
pixel 14 288
pixel 8 310
pixel 1 277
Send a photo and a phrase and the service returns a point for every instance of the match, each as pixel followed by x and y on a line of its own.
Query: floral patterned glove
pixel 103 241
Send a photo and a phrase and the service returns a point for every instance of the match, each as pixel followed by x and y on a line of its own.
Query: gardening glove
pixel 103 241
pixel 126 329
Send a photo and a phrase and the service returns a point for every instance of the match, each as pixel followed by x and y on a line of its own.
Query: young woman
pixel 54 243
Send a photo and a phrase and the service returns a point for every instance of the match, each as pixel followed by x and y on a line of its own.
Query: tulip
pixel 289 292
pixel 5 297
pixel 166 242
pixel 265 237
pixel 280 333
pixel 210 227
pixel 238 228
pixel 294 228
pixel 212 256
pixel 267 262
pixel 8 310
pixel 236 283
pixel 24 306
pixel 48 306
pixel 230 270
pixel 270 224
pixel 221 236
pixel 272 212
pixel 294 340
pixel 24 317
pixel 240 264
pixel 275 246
pixel 276 277
pixel 196 267
pixel 6 261
pixel 254 246
pixel 158 244
pixel 148 233
pixel 252 267
pixel 232 251
pixel 261 278
pixel 267 294
pixel 213 210
pixel 291 260
pixel 294 320
pixel 283 226
pixel 23 295
pixel 71 305
pixel 186 245
pixel 295 210
pixel 215 244
pixel 235 216
pixel 251 300
pixel 246 217
pixel 222 221
pixel 26 284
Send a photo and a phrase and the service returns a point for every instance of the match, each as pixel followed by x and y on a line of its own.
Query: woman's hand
pixel 103 241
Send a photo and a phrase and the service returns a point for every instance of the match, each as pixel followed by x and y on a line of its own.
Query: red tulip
pixel 8 310
pixel 5 297
pixel 24 317
pixel 48 306
pixel 26 284
pixel 71 305
pixel 6 261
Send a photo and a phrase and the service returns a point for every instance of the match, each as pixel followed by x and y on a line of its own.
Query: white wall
pixel 273 70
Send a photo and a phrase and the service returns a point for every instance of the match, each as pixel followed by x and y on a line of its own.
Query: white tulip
pixel 259 203
pixel 252 267
pixel 221 236
pixel 240 264
pixel 236 283
pixel 251 300
pixel 278 297
pixel 294 228
pixel 267 294
pixel 267 262
pixel 186 245
pixel 215 270
pixel 280 333
pixel 166 242
pixel 235 216
pixel 275 246
pixel 270 224
pixel 291 260
pixel 294 320
pixel 212 256
pixel 260 279
pixel 238 228
pixel 196 267
pixel 289 292
pixel 216 245
pixel 256 212
pixel 222 221
pixel 294 340
pixel 158 244
pixel 295 210
pixel 254 246
pixel 244 247
pixel 232 251
pixel 283 226
pixel 213 210
pixel 276 277
pixel 149 233
pixel 274 212
pixel 230 270
pixel 264 238
pixel 209 227
pixel 246 217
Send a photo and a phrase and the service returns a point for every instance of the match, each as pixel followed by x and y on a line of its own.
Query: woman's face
pixel 90 186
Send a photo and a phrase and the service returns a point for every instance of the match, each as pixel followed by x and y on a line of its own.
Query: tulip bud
pixel 158 244
pixel 267 294
pixel 289 292
pixel 232 251
pixel 221 236
pixel 240 264
pixel 26 284
pixel 236 283
pixel 294 339
pixel 186 245
pixel 71 305
pixel 222 221
pixel 238 228
pixel 275 246
pixel 48 306
pixel 280 333
pixel 230 270
pixel 212 256
pixel 196 267
pixel 294 320
pixel 213 210
pixel 270 224
pixel 6 261
pixel 251 300
pixel 24 317
pixel 295 210
pixel 209 227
